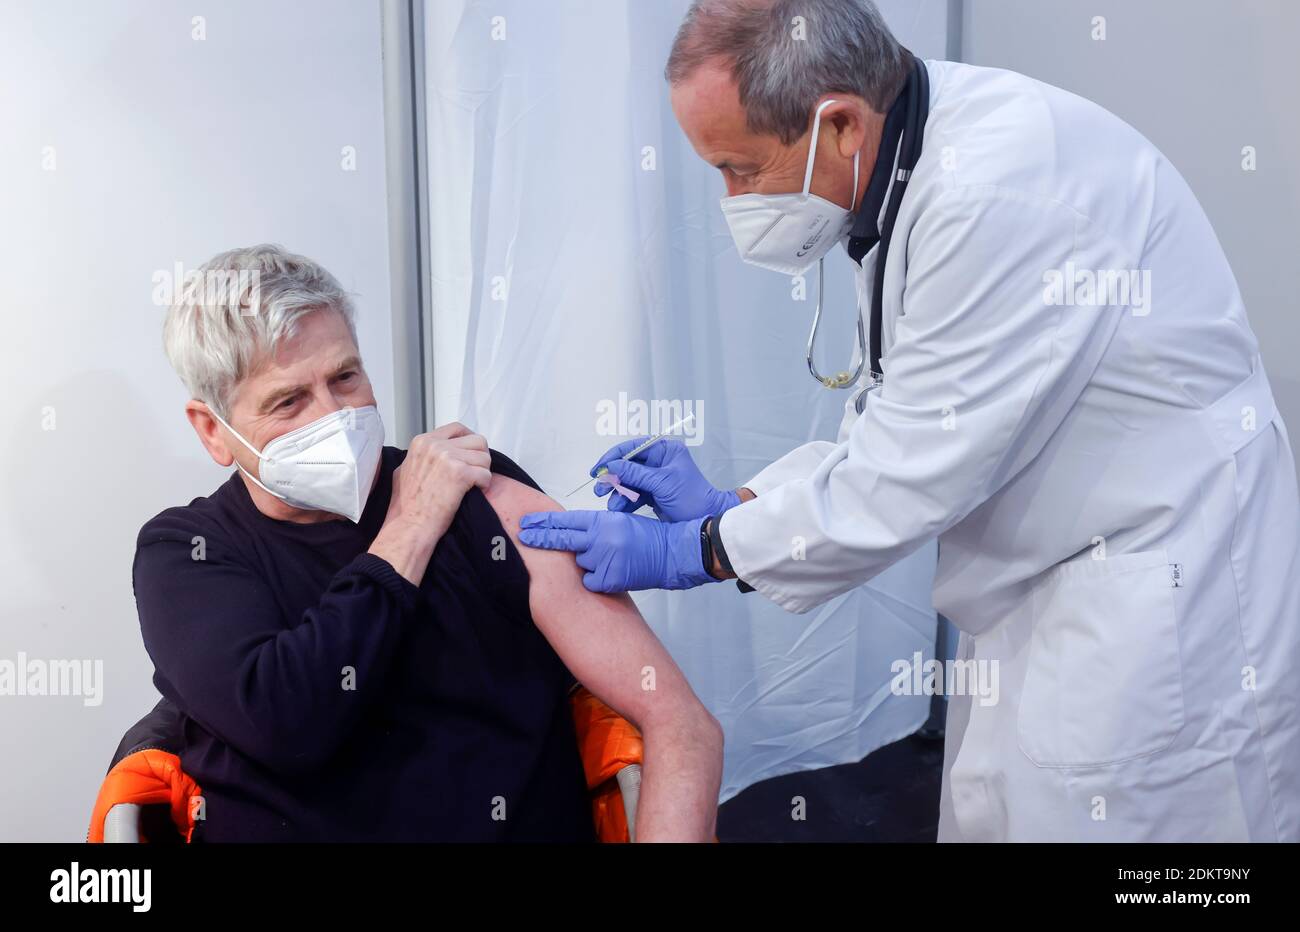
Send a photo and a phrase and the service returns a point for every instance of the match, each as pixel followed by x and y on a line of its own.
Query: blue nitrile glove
pixel 667 478
pixel 622 552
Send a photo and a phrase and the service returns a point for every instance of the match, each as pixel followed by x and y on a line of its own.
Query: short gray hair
pixel 846 48
pixel 236 309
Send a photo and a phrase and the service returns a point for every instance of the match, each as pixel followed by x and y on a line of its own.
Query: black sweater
pixel 326 698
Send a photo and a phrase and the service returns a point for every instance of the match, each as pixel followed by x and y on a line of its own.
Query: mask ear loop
pixel 812 154
pixel 252 449
pixel 853 196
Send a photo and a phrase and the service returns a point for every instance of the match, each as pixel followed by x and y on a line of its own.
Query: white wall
pixel 1201 80
pixel 167 149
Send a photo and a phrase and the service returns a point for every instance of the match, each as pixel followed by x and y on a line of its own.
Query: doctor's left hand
pixel 622 552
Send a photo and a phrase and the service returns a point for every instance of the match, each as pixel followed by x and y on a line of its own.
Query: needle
pixel 631 453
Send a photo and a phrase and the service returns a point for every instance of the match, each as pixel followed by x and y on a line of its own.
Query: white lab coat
pixel 1112 487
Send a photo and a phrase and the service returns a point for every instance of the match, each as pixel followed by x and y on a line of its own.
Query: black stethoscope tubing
pixel 913 131
pixel 918 109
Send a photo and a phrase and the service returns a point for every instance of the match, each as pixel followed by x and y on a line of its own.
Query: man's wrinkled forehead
pixel 281 386
pixel 322 347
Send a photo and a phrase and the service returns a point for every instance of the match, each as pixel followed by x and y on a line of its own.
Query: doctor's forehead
pixel 707 106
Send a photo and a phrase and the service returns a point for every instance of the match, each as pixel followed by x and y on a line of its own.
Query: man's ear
pixel 209 431
pixel 852 120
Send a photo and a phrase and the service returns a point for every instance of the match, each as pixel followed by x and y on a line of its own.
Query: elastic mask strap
pixel 812 146
pixel 812 154
pixel 252 449
pixel 853 195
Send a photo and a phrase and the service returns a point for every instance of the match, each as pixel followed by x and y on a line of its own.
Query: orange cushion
pixel 146 777
pixel 608 743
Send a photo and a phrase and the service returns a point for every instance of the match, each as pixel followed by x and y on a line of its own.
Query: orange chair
pixel 147 797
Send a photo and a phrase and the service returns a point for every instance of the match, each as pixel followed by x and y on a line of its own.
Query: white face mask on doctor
pixel 789 232
pixel 327 465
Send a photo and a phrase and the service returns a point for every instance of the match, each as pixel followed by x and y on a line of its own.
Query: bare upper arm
pixel 602 639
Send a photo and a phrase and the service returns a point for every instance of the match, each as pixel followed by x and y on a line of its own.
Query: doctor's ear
pixel 852 120
pixel 209 432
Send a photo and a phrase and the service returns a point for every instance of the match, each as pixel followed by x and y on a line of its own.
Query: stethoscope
pixel 843 379
pixel 918 108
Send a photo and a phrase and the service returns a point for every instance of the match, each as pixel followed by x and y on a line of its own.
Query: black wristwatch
pixel 710 545
pixel 706 546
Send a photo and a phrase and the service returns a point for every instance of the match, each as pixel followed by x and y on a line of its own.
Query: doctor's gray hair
pixel 236 309
pixel 787 54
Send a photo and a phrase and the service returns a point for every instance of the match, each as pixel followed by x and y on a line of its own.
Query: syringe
pixel 631 453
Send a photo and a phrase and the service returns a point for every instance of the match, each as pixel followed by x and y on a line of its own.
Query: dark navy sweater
pixel 326 698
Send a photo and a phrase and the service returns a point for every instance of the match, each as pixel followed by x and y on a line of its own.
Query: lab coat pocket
pixel 1103 683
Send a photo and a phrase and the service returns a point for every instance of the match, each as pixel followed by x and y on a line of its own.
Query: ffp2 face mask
pixel 788 233
pixel 327 465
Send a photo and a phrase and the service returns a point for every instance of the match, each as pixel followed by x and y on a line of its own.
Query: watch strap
pixel 713 527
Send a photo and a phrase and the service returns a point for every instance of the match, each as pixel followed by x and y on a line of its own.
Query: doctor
pixel 1067 394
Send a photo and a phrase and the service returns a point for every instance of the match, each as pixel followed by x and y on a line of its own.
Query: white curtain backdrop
pixel 582 273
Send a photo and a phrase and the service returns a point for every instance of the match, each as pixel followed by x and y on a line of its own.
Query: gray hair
pixel 236 309
pixel 845 47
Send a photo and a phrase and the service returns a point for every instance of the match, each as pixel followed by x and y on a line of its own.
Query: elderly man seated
pixel 359 650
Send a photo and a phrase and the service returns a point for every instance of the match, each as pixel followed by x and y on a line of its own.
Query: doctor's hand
pixel 667 478
pixel 622 552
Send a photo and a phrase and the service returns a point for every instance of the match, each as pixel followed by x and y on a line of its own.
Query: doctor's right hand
pixel 667 478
